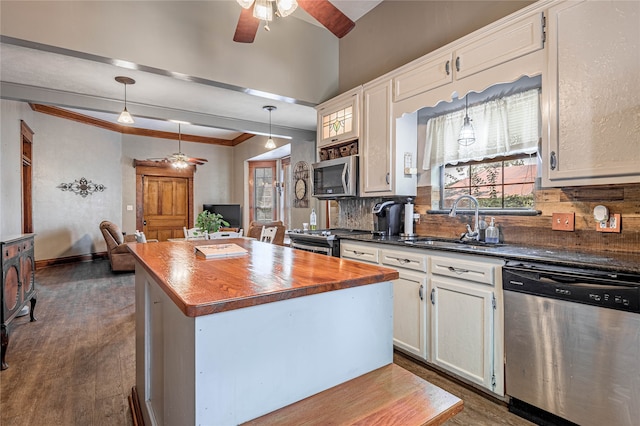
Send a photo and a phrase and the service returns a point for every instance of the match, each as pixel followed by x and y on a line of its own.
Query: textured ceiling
pixel 85 84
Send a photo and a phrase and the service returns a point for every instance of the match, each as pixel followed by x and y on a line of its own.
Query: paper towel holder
pixel 408 220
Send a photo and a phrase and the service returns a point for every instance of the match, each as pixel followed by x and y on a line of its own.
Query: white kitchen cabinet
pixel 488 47
pixel 466 327
pixel 592 92
pixel 385 145
pixel 339 118
pixel 410 331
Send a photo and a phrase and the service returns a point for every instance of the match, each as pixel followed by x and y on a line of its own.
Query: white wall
pixel 63 151
pixel 212 182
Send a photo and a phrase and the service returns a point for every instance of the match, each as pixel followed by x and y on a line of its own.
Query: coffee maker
pixel 387 218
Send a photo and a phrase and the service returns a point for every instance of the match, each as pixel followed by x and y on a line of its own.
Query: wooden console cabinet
pixel 18 283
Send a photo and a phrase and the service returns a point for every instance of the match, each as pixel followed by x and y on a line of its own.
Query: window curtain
pixel 505 126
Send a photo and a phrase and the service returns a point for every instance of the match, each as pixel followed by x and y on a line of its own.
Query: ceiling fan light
pixel 180 164
pixel 125 117
pixel 263 10
pixel 246 4
pixel 270 144
pixel 286 7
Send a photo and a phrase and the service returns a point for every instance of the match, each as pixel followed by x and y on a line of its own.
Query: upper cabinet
pixel 339 118
pixel 592 91
pixel 489 48
pixel 385 146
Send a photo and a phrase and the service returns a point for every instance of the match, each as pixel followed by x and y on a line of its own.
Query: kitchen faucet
pixel 469 235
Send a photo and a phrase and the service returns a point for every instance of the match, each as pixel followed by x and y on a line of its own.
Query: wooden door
pixel 164 199
pixel 165 207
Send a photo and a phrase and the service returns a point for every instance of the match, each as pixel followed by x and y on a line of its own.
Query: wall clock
pixel 301 185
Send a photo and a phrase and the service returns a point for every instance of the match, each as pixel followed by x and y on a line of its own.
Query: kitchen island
pixel 223 341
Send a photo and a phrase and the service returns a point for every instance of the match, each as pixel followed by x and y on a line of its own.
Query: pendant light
pixel 270 143
pixel 125 117
pixel 467 134
pixel 180 162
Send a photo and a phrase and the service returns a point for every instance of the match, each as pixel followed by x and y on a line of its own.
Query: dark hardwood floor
pixel 76 364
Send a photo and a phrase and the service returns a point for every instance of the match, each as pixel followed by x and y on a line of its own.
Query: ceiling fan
pixel 256 10
pixel 180 160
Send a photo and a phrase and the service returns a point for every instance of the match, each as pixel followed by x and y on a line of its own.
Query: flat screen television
pixel 232 213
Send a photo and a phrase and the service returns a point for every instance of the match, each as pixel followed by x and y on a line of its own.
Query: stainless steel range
pixel 325 241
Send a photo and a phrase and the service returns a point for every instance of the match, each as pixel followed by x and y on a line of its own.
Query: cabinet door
pixel 428 75
pixel 338 119
pixel 410 313
pixel 376 142
pixel 462 326
pixel 499 45
pixel 593 94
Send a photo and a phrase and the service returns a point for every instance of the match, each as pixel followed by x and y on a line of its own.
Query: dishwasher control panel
pixel 578 288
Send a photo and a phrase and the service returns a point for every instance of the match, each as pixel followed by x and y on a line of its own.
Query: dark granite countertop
pixel 606 261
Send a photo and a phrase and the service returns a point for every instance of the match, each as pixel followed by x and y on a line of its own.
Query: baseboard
pixel 70 259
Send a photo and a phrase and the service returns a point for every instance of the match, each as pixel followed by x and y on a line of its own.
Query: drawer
pixel 401 259
pixel 464 269
pixel 359 252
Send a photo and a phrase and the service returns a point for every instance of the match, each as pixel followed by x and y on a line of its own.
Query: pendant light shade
pixel 270 143
pixel 125 117
pixel 467 134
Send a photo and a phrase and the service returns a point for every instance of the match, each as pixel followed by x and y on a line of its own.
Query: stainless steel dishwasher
pixel 572 344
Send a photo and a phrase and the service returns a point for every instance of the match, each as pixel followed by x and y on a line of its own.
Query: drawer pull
pixel 458 271
pixel 433 296
pixel 420 292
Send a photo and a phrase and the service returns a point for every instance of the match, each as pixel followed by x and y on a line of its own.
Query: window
pixel 506 183
pixel 500 168
pixel 262 206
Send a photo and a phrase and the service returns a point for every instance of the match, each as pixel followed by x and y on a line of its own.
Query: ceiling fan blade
pixel 198 159
pixel 247 27
pixel 329 16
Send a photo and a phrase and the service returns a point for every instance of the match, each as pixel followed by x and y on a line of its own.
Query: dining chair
pixel 194 234
pixel 225 234
pixel 268 234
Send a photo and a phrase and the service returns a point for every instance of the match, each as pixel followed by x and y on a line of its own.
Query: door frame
pixel 161 169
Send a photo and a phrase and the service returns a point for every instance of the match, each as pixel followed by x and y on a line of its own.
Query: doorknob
pixel 144 222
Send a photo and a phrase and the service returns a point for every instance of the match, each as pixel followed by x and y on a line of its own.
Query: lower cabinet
pixel 410 330
pixel 447 309
pixel 466 322
pixel 460 343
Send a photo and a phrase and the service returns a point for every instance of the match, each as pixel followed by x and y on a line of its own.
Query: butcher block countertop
pixel 268 273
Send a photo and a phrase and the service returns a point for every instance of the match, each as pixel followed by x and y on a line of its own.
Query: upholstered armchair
pixel 255 231
pixel 119 255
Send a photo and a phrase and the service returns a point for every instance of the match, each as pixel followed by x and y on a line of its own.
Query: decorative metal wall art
pixel 82 187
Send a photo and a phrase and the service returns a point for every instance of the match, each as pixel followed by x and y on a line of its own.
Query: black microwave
pixel 337 178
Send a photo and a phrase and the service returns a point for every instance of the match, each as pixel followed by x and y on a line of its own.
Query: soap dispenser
pixel 492 234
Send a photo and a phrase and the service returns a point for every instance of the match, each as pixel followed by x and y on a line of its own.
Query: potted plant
pixel 210 222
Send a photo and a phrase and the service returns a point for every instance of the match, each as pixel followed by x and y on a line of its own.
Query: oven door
pixel 312 248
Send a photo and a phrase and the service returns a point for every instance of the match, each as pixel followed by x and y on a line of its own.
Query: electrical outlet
pixel 613 224
pixel 563 221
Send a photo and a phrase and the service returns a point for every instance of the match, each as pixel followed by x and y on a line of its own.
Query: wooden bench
pixel 389 395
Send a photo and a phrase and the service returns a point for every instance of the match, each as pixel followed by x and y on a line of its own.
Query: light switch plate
pixel 563 221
